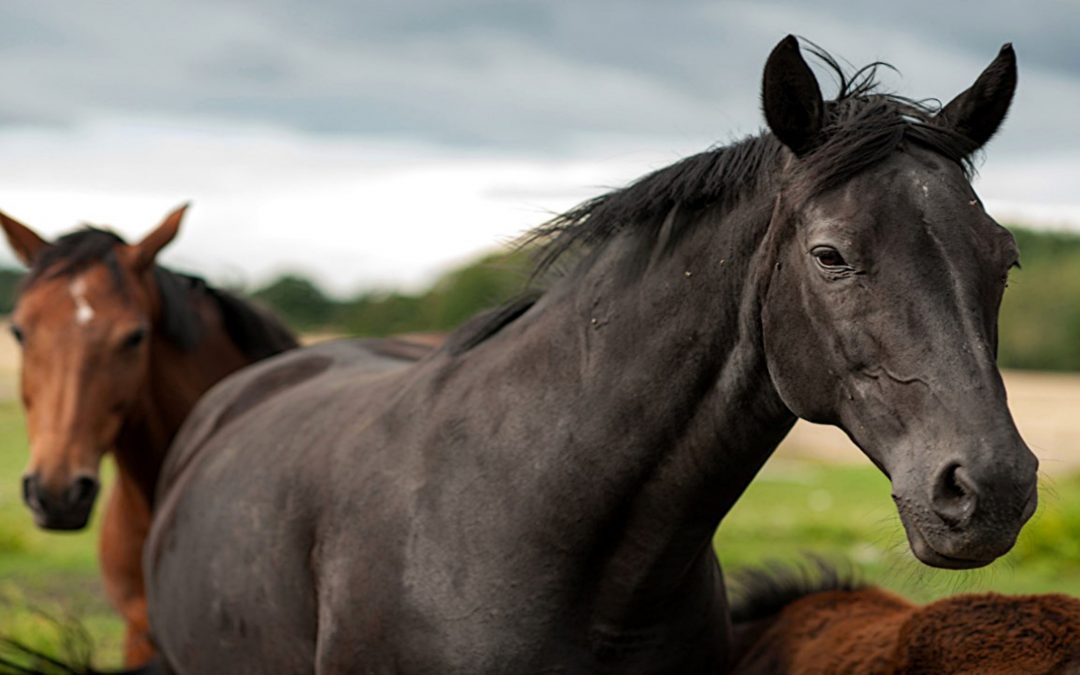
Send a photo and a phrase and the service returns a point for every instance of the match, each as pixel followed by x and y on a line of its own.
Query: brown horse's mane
pixel 256 333
pixel 863 126
pixel 763 592
pixel 74 252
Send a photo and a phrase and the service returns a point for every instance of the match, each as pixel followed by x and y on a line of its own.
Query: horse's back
pixel 249 469
pixel 870 630
pixel 993 633
pixel 246 389
pixel 825 632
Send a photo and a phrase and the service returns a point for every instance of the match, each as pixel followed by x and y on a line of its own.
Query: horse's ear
pixel 978 111
pixel 145 252
pixel 26 243
pixel 791 98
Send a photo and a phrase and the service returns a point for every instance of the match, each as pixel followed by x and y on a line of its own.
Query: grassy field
pixel 796 506
pixel 845 512
pixel 55 573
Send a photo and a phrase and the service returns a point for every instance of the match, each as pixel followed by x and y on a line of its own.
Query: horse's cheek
pixel 801 369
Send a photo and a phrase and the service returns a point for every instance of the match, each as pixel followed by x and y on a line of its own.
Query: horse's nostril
pixel 28 490
pixel 83 490
pixel 954 495
pixel 952 486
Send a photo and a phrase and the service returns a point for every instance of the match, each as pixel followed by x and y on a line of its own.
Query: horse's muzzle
pixel 969 518
pixel 68 509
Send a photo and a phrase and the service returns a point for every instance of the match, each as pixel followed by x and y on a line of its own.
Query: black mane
pixel 487 323
pixel 763 592
pixel 254 332
pixel 863 126
pixel 74 252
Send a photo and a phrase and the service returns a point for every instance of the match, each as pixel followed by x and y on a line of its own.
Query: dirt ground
pixel 1046 407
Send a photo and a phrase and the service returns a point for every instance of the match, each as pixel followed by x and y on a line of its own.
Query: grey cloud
pixel 538 76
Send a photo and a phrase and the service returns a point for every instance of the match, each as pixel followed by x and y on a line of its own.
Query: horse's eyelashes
pixel 17 333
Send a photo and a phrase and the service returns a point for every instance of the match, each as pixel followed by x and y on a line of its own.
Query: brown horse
pixel 790 623
pixel 116 351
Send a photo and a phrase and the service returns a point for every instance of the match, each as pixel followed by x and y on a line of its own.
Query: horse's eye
pixel 828 256
pixel 17 333
pixel 134 338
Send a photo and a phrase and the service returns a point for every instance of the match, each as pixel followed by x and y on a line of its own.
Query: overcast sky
pixel 376 143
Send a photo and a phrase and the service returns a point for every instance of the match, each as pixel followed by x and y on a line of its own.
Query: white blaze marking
pixel 83 311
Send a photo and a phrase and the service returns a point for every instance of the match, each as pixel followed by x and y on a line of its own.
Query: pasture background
pixel 816 495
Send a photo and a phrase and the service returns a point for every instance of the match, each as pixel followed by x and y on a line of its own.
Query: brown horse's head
pixel 83 318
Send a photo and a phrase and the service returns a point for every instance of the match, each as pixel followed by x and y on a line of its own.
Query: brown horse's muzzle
pixel 65 509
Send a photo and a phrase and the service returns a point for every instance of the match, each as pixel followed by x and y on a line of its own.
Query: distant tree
pixel 298 301
pixel 1040 315
pixel 9 286
pixel 378 314
pixel 489 282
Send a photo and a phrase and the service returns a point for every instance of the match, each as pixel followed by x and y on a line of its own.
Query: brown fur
pixel 870 630
pixel 86 392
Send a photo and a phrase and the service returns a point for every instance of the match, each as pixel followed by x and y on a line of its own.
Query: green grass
pixel 48 573
pixel 845 512
pixel 793 508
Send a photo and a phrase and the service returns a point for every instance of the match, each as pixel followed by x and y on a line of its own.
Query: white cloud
pixel 356 212
pixel 352 212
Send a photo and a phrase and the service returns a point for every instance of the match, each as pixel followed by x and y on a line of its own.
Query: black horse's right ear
pixel 977 112
pixel 791 98
pixel 26 243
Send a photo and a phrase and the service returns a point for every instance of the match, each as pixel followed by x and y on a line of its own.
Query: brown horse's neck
pixel 175 381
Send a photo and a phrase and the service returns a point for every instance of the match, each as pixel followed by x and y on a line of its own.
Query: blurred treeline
pixel 454 297
pixel 1040 317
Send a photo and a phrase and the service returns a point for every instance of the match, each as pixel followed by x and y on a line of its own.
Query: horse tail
pixel 763 592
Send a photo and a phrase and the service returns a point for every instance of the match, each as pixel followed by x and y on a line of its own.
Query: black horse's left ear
pixel 978 111
pixel 791 98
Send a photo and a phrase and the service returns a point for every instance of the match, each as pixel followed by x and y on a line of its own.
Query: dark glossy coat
pixel 541 494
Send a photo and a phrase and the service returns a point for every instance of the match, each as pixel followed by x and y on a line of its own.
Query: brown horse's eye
pixel 17 333
pixel 135 338
pixel 828 256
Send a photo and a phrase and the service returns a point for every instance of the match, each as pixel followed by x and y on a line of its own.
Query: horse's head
pixel 882 306
pixel 83 318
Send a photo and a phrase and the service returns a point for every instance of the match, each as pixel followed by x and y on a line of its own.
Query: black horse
pixel 541 493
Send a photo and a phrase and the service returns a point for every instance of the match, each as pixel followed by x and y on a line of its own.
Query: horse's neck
pixel 669 405
pixel 175 382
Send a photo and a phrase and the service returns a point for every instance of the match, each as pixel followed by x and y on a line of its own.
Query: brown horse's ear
pixel 978 111
pixel 145 252
pixel 791 98
pixel 26 243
